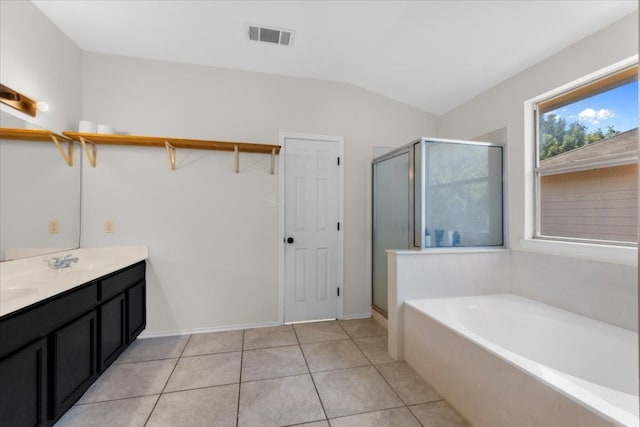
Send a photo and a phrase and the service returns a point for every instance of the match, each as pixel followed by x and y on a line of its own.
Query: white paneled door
pixel 311 229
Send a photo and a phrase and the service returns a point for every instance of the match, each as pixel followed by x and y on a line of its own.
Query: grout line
pixel 271 346
pixel 418 404
pixel 365 354
pixel 371 412
pixel 342 369
pixel 370 336
pixel 313 381
pixel 239 383
pixel 277 378
pixel 327 341
pixel 415 416
pixel 365 336
pixel 116 399
pixel 339 322
pixel 299 345
pixel 187 356
pixel 143 361
pixel 362 351
pixel 199 388
pixel 240 378
pixel 167 381
pixel 406 405
pixel 390 386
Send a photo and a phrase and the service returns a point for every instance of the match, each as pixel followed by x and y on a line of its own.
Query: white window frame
pixel 561 246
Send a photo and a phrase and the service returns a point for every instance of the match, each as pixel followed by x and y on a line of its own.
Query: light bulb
pixel 42 106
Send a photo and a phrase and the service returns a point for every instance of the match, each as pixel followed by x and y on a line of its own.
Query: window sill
pixel 607 253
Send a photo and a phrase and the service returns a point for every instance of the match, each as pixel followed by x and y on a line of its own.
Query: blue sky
pixel 617 107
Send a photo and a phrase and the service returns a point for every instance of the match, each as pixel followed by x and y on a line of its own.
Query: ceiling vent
pixel 270 35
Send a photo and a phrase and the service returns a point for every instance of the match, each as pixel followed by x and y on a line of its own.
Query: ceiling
pixel 433 55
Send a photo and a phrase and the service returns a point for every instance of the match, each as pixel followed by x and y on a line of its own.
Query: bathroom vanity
pixel 66 330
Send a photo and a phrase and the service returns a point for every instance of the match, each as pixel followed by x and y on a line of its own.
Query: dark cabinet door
pixel 112 339
pixel 137 308
pixel 74 357
pixel 23 387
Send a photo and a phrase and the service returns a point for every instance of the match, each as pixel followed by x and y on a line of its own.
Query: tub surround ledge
pixel 27 281
pixel 438 273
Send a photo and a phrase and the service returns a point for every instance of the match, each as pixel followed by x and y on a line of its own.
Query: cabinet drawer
pixel 121 280
pixel 26 326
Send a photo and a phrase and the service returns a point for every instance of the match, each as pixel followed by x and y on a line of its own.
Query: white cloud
pixel 592 116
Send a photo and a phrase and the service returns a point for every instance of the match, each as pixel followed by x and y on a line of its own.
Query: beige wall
pixel 594 204
pixel 38 60
pixel 36 186
pixel 503 105
pixel 570 276
pixel 213 240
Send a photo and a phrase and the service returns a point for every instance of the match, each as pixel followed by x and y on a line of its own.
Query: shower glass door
pixel 391 187
pixel 462 194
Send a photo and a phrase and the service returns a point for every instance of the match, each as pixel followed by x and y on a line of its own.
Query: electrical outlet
pixel 108 226
pixel 53 226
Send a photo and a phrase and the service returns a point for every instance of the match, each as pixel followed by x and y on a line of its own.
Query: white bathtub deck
pixel 577 360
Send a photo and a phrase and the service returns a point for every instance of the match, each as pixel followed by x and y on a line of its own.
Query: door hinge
pixel 338 226
pixel 338 291
pixel 338 161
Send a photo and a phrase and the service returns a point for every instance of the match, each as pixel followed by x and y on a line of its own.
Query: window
pixel 586 162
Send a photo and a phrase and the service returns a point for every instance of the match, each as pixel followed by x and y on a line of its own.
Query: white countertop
pixel 26 281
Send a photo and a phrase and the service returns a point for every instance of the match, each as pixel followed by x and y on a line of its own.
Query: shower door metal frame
pixel 410 149
pixel 423 141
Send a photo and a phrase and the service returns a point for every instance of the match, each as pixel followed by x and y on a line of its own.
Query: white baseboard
pixel 145 334
pixel 205 330
pixel 380 319
pixel 357 316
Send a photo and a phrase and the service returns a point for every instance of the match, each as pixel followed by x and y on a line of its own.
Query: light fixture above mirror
pixel 20 102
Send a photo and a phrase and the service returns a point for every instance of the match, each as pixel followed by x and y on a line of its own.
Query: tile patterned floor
pixel 327 374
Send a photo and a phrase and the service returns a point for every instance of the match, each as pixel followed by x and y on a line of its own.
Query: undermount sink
pixel 10 293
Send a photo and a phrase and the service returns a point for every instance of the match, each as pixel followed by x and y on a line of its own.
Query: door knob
pixel 289 240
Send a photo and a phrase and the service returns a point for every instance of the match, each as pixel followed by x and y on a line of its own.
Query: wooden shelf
pixel 29 134
pixel 41 135
pixel 170 144
pixel 157 141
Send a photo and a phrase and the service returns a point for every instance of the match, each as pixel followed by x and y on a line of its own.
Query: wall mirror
pixel 39 196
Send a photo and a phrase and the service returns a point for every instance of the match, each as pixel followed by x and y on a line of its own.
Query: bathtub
pixel 503 360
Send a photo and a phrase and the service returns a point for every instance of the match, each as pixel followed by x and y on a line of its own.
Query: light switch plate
pixel 108 226
pixel 53 226
pixel 271 201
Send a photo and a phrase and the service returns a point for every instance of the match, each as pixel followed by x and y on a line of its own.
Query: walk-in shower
pixel 435 193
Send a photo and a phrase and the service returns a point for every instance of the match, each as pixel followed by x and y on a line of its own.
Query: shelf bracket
pixel 237 158
pixel 171 151
pixel 91 156
pixel 68 155
pixel 273 160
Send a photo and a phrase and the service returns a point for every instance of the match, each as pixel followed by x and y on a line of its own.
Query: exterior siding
pixel 597 204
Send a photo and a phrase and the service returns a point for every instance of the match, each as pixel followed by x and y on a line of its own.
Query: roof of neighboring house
pixel 619 147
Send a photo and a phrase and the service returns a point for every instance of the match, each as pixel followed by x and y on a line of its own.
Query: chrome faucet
pixel 58 263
